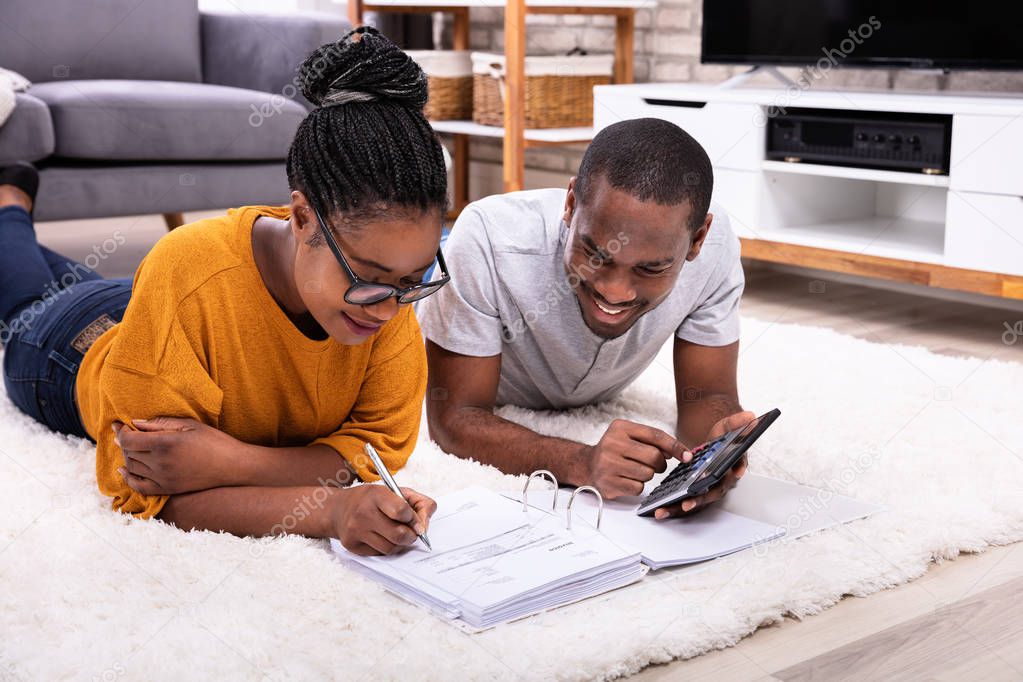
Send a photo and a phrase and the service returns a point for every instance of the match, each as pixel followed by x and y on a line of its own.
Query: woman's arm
pixel 255 511
pixel 171 455
pixel 303 465
pixel 368 519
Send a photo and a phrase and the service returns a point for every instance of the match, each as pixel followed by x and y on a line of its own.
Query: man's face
pixel 623 255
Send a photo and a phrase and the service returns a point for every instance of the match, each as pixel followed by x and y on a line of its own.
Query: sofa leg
pixel 173 220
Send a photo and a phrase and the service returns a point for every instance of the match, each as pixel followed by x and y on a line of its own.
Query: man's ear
pixel 699 236
pixel 566 215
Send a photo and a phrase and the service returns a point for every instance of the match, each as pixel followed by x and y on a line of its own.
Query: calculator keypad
pixel 674 481
pixel 707 465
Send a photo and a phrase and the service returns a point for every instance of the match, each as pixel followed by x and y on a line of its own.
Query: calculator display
pixel 722 450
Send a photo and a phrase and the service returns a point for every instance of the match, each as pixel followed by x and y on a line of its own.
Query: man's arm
pixel 460 412
pixel 708 407
pixel 459 409
pixel 706 388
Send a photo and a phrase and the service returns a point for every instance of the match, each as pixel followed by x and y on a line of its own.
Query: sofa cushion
pixel 48 40
pixel 235 50
pixel 28 133
pixel 98 191
pixel 124 120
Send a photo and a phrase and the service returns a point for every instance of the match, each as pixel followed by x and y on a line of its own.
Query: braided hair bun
pixel 362 66
pixel 366 147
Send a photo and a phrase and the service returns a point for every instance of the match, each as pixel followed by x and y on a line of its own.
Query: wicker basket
pixel 450 76
pixel 559 90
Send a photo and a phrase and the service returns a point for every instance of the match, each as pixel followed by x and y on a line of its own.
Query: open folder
pixel 759 509
pixel 709 534
pixel 497 558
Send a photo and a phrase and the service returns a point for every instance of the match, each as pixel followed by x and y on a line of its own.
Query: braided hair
pixel 366 151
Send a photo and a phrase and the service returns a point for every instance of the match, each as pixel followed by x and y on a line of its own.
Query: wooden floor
pixel 958 622
pixel 961 621
pixel 973 326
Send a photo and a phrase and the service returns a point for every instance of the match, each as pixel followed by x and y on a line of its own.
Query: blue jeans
pixel 51 308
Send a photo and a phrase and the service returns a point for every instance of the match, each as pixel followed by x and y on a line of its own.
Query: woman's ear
pixel 303 219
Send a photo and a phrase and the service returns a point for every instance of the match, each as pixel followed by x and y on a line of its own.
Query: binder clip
pixel 525 488
pixel 584 489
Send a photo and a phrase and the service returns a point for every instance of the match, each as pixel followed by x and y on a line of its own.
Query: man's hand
pixel 370 519
pixel 171 455
pixel 627 456
pixel 729 423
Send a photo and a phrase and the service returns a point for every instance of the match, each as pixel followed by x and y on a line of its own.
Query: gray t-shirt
pixel 510 294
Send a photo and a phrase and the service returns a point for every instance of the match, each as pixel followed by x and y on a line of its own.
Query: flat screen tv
pixel 925 34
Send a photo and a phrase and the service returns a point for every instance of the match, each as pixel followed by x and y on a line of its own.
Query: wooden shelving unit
pixel 516 137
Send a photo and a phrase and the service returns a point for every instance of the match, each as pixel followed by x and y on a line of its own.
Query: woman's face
pixel 396 250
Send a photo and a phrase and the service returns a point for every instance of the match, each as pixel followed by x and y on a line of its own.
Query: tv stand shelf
pixel 898 177
pixel 919 240
pixel 959 231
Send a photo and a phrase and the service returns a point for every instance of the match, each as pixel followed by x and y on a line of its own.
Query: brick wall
pixel 667 49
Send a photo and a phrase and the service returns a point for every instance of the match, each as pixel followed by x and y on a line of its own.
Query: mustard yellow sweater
pixel 203 338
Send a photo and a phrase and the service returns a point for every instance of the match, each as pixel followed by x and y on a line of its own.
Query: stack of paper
pixel 492 562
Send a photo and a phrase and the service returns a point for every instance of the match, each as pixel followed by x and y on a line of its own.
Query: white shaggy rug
pixel 87 594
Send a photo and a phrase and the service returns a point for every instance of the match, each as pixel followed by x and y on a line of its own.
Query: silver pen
pixel 389 481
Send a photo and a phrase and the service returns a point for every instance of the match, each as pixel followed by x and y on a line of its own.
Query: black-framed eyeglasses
pixel 362 292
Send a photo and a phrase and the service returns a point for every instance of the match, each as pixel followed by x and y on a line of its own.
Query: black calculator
pixel 710 462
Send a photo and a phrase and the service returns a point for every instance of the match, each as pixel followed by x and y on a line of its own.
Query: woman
pixel 233 385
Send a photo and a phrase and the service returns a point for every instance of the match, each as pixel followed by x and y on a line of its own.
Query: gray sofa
pixel 152 106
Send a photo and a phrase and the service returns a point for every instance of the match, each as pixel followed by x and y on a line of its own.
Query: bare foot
pixel 12 196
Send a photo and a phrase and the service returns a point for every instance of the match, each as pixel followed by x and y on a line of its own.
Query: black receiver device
pixel 865 139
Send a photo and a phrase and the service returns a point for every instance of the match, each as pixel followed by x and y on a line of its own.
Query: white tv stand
pixel 959 231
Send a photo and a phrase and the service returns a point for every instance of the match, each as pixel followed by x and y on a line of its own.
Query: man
pixel 561 299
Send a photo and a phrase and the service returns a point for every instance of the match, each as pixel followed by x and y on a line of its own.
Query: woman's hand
pixel 731 478
pixel 370 519
pixel 170 455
